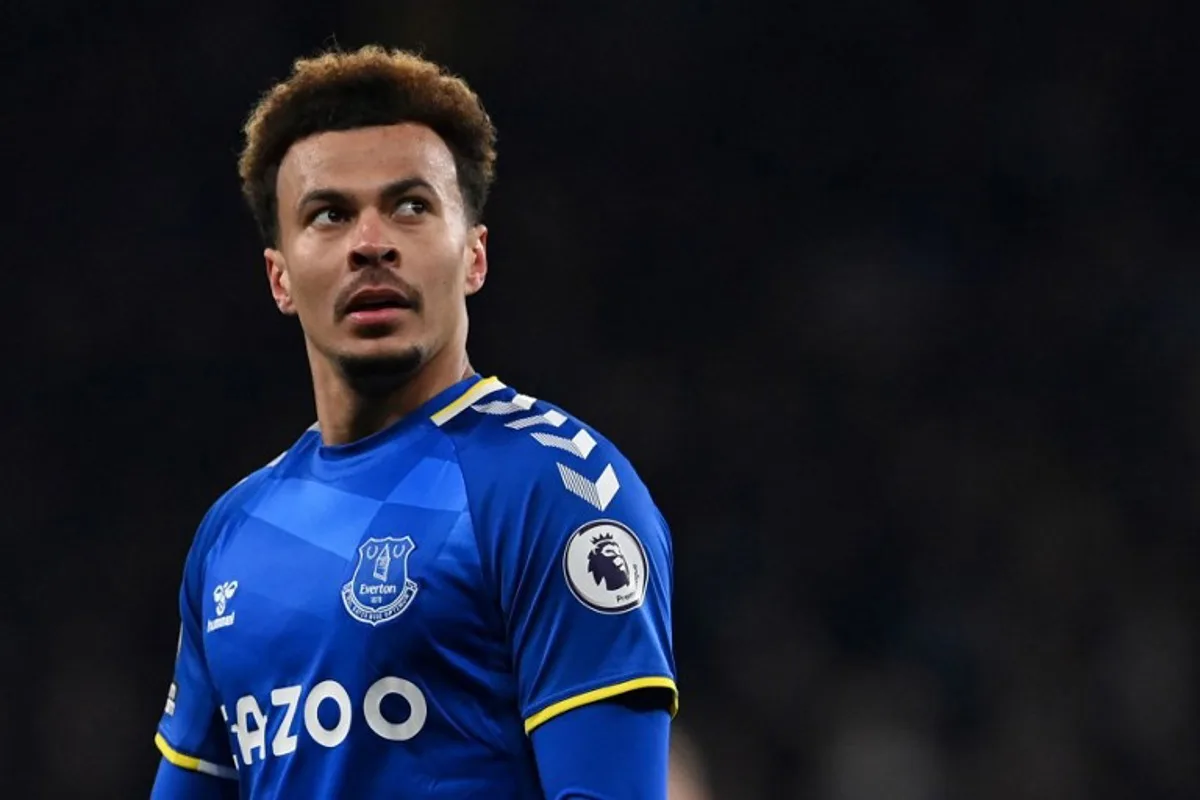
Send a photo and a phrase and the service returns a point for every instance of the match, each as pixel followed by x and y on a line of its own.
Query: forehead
pixel 363 159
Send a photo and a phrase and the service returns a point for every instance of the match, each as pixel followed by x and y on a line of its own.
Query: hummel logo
pixel 221 596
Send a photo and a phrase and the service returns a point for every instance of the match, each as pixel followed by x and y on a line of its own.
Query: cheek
pixel 311 284
pixel 446 279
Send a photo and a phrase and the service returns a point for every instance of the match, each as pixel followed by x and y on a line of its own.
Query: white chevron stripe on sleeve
pixel 521 402
pixel 599 494
pixel 552 418
pixel 581 444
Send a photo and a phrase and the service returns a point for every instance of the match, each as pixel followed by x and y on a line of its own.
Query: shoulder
pixel 551 494
pixel 529 462
pixel 512 441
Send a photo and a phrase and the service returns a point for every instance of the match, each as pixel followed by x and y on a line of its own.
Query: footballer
pixel 445 588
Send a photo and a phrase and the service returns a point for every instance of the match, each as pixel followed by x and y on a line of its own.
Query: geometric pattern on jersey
pixel 447 533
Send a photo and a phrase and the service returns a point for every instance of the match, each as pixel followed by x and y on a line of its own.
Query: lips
pixel 376 299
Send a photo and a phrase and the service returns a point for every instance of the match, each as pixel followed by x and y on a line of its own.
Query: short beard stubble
pixel 377 377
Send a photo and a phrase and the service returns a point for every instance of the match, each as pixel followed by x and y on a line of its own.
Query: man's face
pixel 376 256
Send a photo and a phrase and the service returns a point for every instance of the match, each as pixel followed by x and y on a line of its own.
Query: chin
pixel 376 371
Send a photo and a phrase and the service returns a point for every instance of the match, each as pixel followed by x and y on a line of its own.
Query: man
pixel 445 588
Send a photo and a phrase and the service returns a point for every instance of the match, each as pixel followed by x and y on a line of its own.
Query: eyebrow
pixel 391 190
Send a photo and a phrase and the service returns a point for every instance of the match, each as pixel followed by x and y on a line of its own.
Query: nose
pixel 366 255
pixel 372 250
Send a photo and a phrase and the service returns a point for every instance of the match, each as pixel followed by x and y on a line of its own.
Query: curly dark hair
pixel 337 91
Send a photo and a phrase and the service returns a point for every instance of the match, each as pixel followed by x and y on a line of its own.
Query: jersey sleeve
pixel 191 733
pixel 173 783
pixel 583 565
pixel 638 740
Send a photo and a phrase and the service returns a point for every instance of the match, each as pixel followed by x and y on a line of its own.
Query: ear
pixel 280 281
pixel 477 264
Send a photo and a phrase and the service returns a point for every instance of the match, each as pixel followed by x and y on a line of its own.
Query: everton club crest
pixel 380 588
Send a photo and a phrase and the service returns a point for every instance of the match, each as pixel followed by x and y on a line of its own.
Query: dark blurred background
pixel 893 304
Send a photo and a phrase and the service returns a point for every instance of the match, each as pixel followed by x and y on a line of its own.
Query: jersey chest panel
pixel 381 605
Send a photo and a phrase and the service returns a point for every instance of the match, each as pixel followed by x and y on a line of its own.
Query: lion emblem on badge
pixel 380 589
pixel 606 563
pixel 606 567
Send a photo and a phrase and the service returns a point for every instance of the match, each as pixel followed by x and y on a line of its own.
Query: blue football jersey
pixel 394 616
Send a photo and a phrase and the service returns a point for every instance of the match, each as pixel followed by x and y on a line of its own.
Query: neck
pixel 346 415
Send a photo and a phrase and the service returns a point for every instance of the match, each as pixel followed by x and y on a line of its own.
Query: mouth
pixel 376 306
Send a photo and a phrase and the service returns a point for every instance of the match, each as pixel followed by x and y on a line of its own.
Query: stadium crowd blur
pixel 894 305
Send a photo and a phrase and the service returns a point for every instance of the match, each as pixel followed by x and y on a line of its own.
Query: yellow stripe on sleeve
pixel 603 693
pixel 191 762
pixel 480 389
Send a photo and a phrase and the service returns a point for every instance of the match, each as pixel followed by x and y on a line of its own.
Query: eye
pixel 412 207
pixel 327 216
